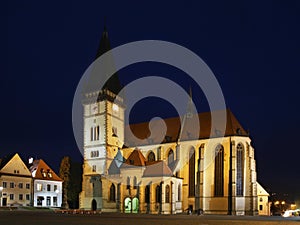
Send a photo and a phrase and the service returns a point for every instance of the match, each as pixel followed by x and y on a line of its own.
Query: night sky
pixel 253 48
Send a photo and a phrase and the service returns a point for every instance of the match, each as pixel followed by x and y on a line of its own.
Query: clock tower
pixel 103 135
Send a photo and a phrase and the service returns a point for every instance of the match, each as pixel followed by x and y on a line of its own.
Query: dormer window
pixel 43 173
pixel 49 173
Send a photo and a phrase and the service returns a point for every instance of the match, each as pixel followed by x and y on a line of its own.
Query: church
pixel 163 177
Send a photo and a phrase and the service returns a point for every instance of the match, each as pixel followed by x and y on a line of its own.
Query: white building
pixel 47 186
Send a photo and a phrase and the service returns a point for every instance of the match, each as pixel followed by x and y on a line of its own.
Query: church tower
pixel 103 133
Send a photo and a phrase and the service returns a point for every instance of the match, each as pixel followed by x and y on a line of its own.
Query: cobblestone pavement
pixel 37 218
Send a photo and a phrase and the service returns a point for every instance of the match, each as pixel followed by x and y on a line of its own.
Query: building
pixel 15 181
pixel 166 177
pixel 263 201
pixel 47 186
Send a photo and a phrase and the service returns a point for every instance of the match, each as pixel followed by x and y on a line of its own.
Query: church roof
pixel 188 131
pixel 40 170
pixel 136 158
pixel 113 84
pixel 158 169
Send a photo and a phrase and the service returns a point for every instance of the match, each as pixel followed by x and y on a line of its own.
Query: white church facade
pixel 167 177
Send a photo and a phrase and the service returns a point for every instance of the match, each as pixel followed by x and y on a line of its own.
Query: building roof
pixel 158 169
pixel 113 84
pixel 136 158
pixel 261 191
pixel 188 132
pixel 40 170
pixel 14 165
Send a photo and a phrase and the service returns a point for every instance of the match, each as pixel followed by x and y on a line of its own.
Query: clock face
pixel 94 108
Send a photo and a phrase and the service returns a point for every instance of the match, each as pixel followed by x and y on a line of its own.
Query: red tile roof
pixel 189 130
pixel 43 171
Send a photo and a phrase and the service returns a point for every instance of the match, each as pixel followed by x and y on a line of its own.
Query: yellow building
pixel 263 201
pixel 15 182
pixel 165 177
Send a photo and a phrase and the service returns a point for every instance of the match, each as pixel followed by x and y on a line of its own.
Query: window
pixel 39 187
pixel 27 186
pixel 135 183
pixel 192 172
pixel 4 184
pixel 261 199
pixel 170 157
pixel 115 132
pixel 95 131
pixel 55 188
pixel 11 196
pixel 94 168
pixel 48 202
pixel 179 193
pixel 239 170
pixel 112 193
pixel 20 197
pixel 157 194
pixel 44 174
pixel 151 157
pixel 20 185
pixel 49 173
pixel 147 194
pixel 16 171
pixel 167 197
pixel 92 136
pixel 94 154
pixel 219 171
pixel 48 187
pixel 11 184
pixel 55 201
pixel 27 197
pixel 260 207
pixel 128 182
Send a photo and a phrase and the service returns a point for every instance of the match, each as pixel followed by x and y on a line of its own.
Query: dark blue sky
pixel 252 47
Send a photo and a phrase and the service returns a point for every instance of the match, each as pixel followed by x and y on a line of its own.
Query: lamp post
pixel 1 189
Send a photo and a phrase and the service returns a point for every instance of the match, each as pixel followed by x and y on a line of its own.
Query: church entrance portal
pixel 131 205
pixel 94 205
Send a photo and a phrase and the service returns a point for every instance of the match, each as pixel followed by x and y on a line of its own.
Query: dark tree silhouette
pixel 65 173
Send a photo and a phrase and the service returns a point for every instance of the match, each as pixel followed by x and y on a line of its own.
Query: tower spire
pixel 113 84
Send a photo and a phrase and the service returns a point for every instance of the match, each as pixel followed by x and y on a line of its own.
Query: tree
pixel 65 173
pixel 75 185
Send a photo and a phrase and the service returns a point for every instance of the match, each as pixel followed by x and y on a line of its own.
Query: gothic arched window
pixel 135 183
pixel 167 194
pixel 151 157
pixel 219 171
pixel 170 157
pixel 147 194
pixel 112 193
pixel 157 194
pixel 128 183
pixel 179 193
pixel 192 172
pixel 239 170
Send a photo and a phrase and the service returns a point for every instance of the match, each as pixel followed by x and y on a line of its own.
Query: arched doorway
pixel 135 205
pixel 131 205
pixel 94 205
pixel 127 204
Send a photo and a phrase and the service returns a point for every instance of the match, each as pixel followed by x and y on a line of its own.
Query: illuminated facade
pixel 163 177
